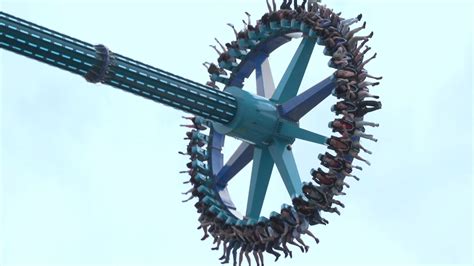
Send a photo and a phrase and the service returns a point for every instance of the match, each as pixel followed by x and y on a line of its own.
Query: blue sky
pixel 89 173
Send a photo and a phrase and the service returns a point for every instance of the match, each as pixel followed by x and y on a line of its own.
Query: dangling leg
pixel 269 249
pixel 356 51
pixel 306 247
pixel 377 78
pixel 255 256
pixel 233 28
pixel 268 7
pixel 303 5
pixel 363 135
pixel 220 44
pixel 215 49
pixel 353 41
pixel 188 199
pixel 361 66
pixel 189 191
pixel 274 6
pixel 224 248
pixel 241 253
pixel 311 235
pixel 260 255
pixel 276 245
pixel 357 156
pixel 218 244
pixel 234 252
pixel 365 123
pixel 283 242
pixel 358 145
pixel 206 234
pixel 290 240
pixel 351 33
pixel 247 256
pixel 363 94
pixel 249 22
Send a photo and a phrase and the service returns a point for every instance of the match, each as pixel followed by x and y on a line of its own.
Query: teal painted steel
pixel 261 172
pixel 87 60
pixel 255 121
pixel 292 130
pixel 285 162
pixel 291 80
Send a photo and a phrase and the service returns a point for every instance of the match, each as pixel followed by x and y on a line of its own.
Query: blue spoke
pixel 286 165
pixel 261 171
pixel 294 131
pixel 295 108
pixel 241 157
pixel 291 80
pixel 265 85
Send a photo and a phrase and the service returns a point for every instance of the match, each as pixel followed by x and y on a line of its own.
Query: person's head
pixel 336 124
pixel 341 106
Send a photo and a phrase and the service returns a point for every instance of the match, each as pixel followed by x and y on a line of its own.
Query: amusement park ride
pixel 267 123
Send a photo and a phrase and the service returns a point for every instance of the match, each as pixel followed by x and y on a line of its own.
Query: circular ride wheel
pixel 247 54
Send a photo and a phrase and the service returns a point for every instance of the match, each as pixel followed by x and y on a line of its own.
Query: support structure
pixel 98 64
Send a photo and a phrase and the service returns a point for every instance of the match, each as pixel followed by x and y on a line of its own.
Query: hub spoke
pixel 261 171
pixel 291 80
pixel 241 157
pixel 293 131
pixel 286 165
pixel 265 84
pixel 297 107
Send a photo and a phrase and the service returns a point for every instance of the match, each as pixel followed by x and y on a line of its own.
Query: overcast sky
pixel 89 174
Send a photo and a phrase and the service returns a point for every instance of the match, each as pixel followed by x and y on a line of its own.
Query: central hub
pixel 257 120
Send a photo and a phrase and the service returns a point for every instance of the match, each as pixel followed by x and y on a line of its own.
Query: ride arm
pixel 97 64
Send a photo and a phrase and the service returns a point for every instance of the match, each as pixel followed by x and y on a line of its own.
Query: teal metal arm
pixel 98 64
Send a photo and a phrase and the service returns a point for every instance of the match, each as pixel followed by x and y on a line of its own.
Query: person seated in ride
pixel 359 123
pixel 363 74
pixel 348 128
pixel 345 73
pixel 249 233
pixel 191 172
pixel 194 194
pixel 337 164
pixel 198 122
pixel 281 228
pixel 359 109
pixel 352 42
pixel 309 210
pixel 288 215
pixel 266 240
pixel 360 65
pixel 227 236
pixel 238 228
pixel 345 146
pixel 318 198
pixel 333 42
pixel 300 226
pixel 344 24
pixel 340 57
pixel 332 179
pixel 275 16
pixel 265 19
pixel 213 69
pixel 350 34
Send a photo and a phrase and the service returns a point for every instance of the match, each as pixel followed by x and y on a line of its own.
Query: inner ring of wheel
pixel 256 57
